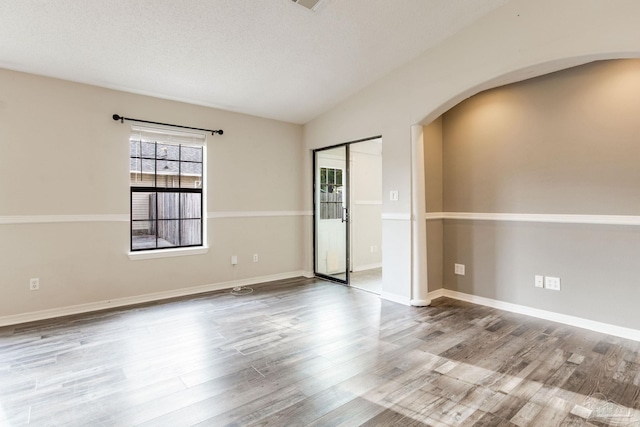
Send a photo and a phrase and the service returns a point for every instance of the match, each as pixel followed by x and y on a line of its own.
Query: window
pixel 331 193
pixel 166 185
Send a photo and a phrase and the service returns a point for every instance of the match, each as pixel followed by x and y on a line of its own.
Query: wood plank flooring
pixel 304 352
pixel 367 280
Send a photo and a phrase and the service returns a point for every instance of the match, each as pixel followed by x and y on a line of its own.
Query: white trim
pixel 438 293
pixel 50 219
pixel 430 216
pixel 395 298
pixel 257 214
pixel 419 250
pixel 140 299
pixel 592 325
pixel 46 219
pixel 368 202
pixel 167 253
pixel 396 216
pixel 308 274
pixel 548 218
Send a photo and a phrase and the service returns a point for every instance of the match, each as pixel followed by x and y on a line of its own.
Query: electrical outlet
pixel 552 283
pixel 255 257
pixel 458 269
pixel 234 259
pixel 539 281
pixel 34 284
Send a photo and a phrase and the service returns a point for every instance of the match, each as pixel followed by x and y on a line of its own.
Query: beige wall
pixel 565 143
pixel 72 159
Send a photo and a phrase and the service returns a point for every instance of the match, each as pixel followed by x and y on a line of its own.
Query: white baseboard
pixel 367 267
pixel 139 299
pixel 438 293
pixel 619 331
pixel 395 298
pixel 308 274
pixel 605 328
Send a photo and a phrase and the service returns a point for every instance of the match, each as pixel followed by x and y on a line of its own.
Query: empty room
pixel 319 213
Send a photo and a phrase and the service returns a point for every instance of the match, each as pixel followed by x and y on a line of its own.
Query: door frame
pixel 347 185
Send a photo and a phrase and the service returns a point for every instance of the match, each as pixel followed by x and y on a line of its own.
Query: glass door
pixel 331 213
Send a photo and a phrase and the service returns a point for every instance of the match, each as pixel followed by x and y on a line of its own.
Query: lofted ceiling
pixel 269 58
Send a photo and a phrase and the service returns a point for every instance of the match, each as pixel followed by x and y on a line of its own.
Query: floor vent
pixel 309 4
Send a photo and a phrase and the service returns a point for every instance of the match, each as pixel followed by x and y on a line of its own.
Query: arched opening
pixel 540 178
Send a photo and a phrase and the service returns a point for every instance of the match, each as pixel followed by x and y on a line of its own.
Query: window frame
pixel 162 136
pixel 333 184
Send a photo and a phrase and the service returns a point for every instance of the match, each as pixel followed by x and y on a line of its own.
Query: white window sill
pixel 166 253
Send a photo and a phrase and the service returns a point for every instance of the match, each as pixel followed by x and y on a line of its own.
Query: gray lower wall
pixel 435 254
pixel 597 264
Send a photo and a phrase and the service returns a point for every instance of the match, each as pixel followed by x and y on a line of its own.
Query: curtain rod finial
pixel 118 117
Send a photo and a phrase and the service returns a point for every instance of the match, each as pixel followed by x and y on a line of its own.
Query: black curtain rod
pixel 122 119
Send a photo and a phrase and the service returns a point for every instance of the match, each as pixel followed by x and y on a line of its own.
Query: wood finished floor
pixel 311 353
pixel 367 280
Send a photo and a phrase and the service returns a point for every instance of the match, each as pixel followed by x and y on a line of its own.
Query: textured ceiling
pixel 270 58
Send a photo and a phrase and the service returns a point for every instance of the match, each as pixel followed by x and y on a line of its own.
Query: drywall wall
pixel 517 41
pixel 596 264
pixel 366 204
pixel 565 143
pixel 65 159
pixel 432 140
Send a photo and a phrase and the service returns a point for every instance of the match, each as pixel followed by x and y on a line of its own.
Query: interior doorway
pixel 331 213
pixel 347 190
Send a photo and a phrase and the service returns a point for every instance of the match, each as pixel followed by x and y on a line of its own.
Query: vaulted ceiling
pixel 269 58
